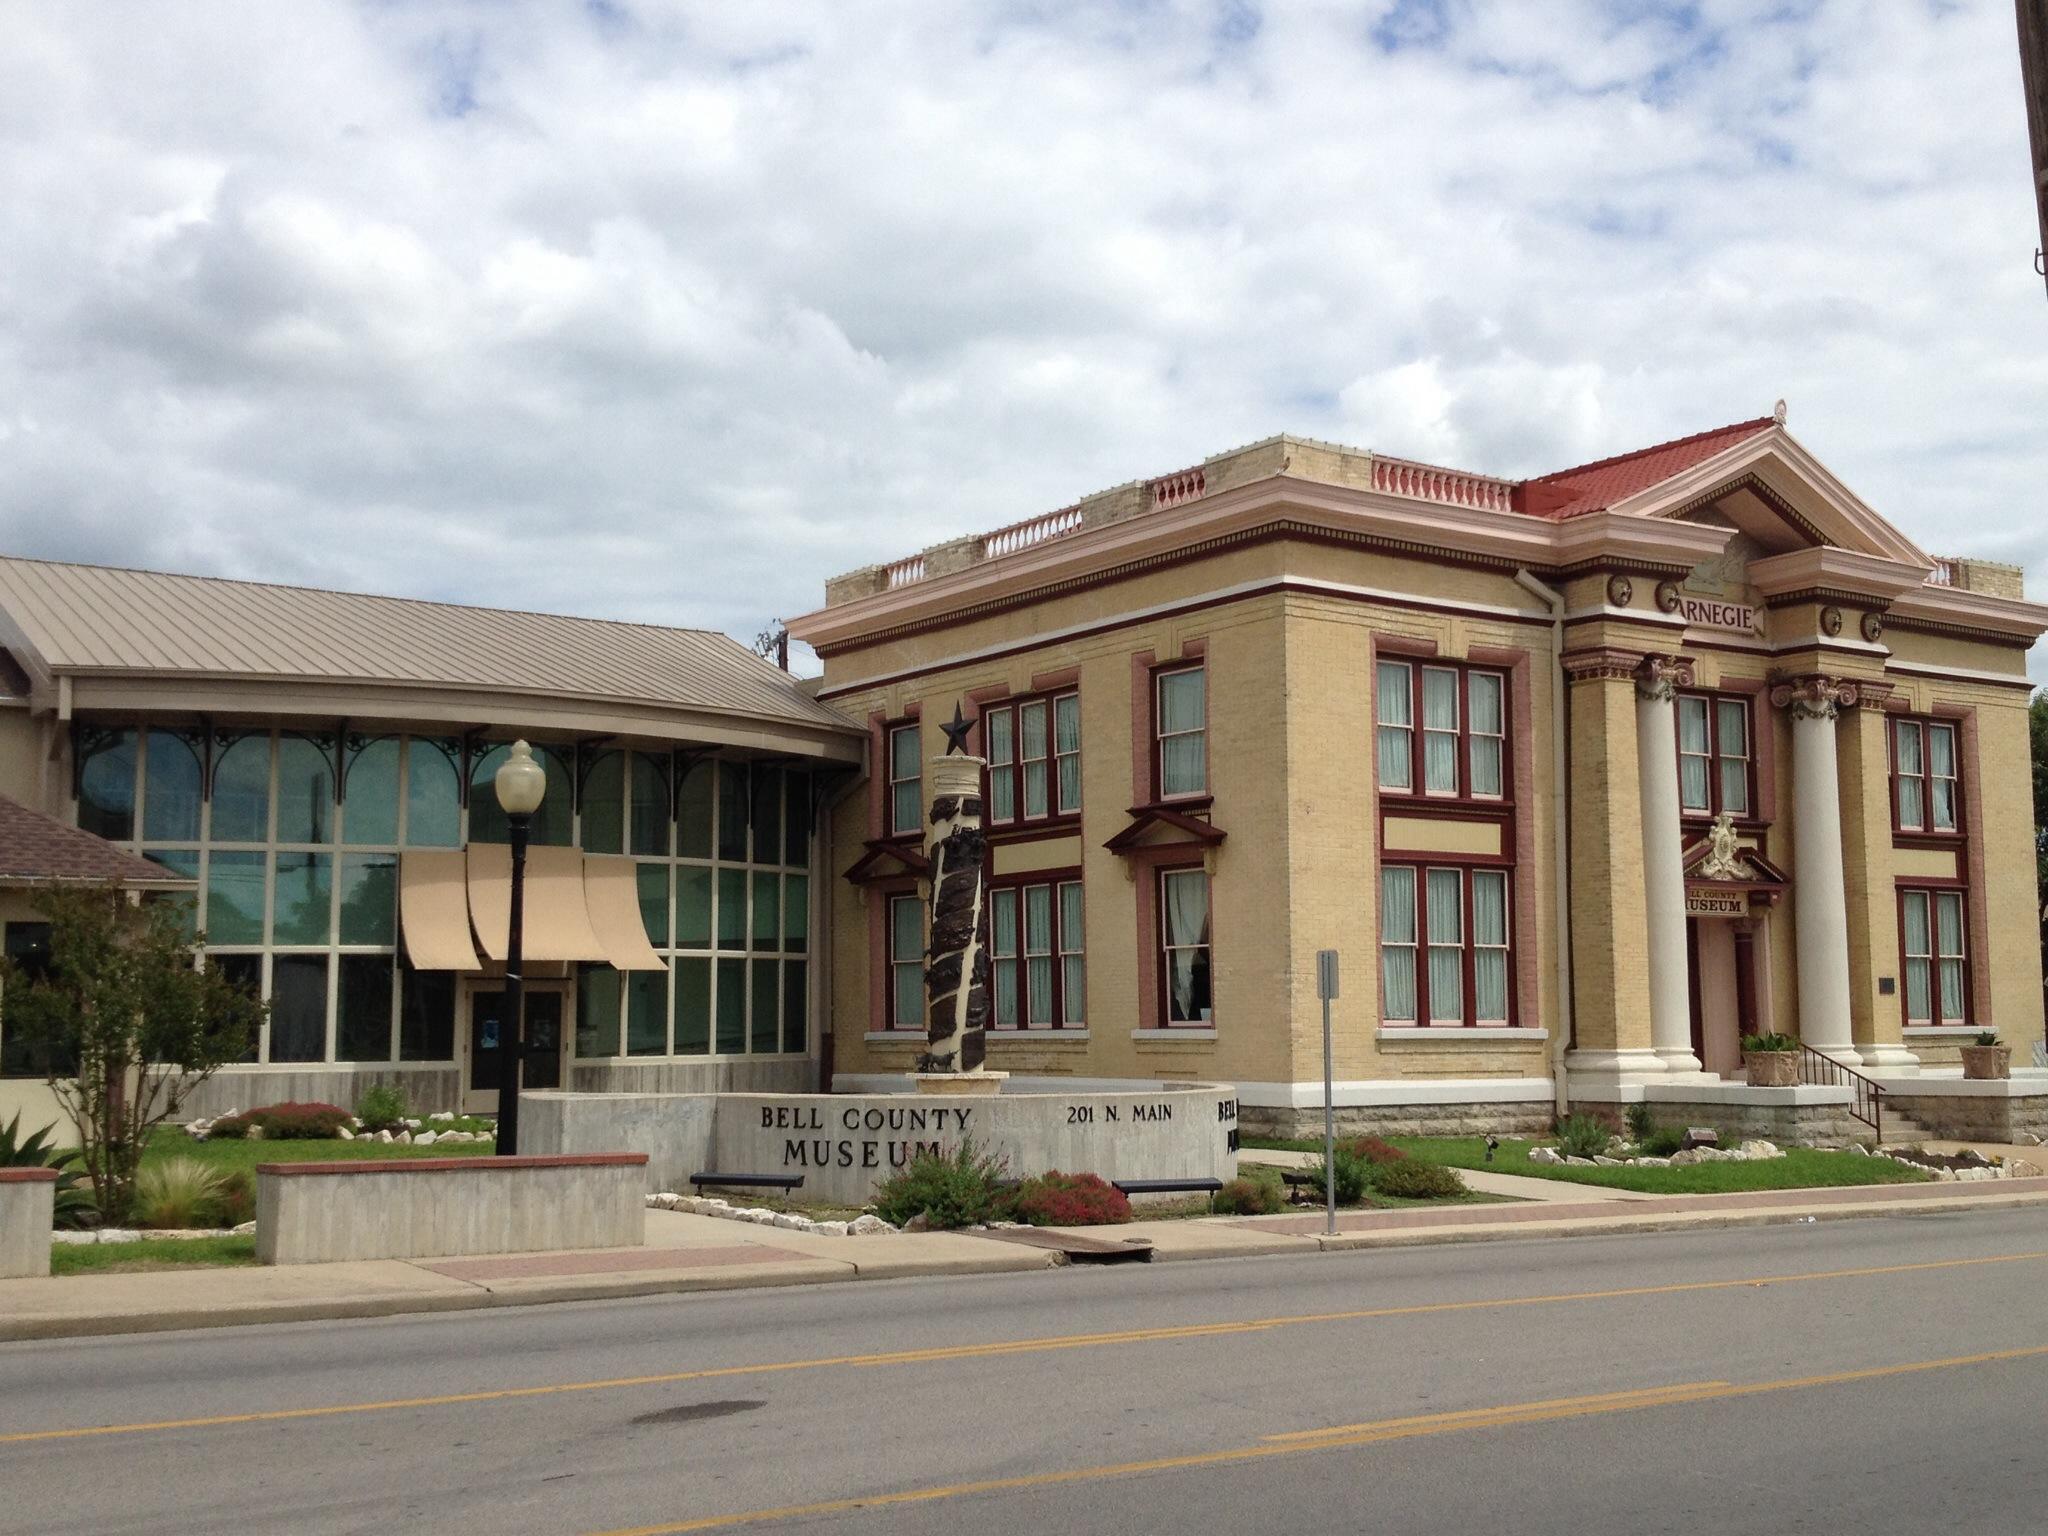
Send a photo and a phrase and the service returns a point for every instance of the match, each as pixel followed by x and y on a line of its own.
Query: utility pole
pixel 2033 19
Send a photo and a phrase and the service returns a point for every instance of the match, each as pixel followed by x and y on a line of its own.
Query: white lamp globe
pixel 520 781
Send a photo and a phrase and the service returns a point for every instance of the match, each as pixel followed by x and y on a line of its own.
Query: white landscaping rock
pixel 425 1139
pixel 1547 1156
pixel 2021 1168
pixel 1580 1162
pixel 344 1133
pixel 830 1228
pixel 861 1226
pixel 790 1222
pixel 1652 1162
pixel 1604 1161
pixel 1760 1149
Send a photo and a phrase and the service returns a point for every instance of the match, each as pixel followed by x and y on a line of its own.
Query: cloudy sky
pixel 669 311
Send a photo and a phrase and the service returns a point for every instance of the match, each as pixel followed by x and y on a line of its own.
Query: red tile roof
pixel 38 847
pixel 1590 487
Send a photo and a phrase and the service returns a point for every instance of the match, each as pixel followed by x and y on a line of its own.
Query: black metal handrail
pixel 1867 1095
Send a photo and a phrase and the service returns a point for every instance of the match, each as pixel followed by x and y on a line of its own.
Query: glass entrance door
pixel 488 1033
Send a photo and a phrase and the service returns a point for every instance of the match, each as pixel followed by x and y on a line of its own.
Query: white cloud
pixel 670 312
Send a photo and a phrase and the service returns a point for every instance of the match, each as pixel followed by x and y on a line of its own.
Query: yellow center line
pixel 1295 1444
pixel 992 1349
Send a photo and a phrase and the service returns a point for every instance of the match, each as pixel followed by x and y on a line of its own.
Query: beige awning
pixel 433 910
pixel 611 891
pixel 556 922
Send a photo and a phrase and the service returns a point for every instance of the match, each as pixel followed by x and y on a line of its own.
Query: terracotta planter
pixel 1986 1062
pixel 1772 1069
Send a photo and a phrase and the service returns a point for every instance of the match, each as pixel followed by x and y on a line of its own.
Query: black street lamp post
pixel 520 783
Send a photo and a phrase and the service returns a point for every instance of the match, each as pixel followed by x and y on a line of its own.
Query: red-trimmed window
pixel 1442 728
pixel 1180 730
pixel 1932 925
pixel 1716 768
pixel 1445 955
pixel 1185 948
pixel 1037 949
pixel 905 779
pixel 1926 775
pixel 1034 759
pixel 906 963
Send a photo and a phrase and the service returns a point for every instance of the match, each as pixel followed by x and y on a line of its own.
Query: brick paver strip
pixel 605 1261
pixel 1486 1215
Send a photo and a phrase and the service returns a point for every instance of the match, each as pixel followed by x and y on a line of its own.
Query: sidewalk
pixel 1513 1186
pixel 703 1253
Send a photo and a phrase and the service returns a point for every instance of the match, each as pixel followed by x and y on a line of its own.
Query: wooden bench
pixel 748 1180
pixel 1167 1186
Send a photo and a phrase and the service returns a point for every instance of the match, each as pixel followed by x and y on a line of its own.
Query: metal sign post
pixel 1326 989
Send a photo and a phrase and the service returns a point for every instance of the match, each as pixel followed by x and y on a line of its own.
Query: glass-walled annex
pixel 295 840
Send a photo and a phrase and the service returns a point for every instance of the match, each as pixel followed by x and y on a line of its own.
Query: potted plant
pixel 1772 1061
pixel 1986 1059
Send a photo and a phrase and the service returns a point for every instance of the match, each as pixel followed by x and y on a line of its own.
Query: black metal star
pixel 956 731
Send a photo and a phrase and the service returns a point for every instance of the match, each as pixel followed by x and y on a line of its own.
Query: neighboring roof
pixel 35 847
pixel 90 618
pixel 1591 487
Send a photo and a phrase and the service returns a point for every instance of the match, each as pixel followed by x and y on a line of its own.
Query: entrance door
pixel 1719 1006
pixel 488 1033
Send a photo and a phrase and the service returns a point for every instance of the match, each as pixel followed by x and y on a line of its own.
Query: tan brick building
pixel 1584 776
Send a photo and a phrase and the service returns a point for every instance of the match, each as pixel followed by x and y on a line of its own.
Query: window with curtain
pixel 1037 950
pixel 1395 729
pixel 1184 929
pixel 1442 726
pixel 1440 718
pixel 1397 944
pixel 906 963
pixel 1926 776
pixel 906 775
pixel 1445 952
pixel 1182 715
pixel 1034 758
pixel 1714 757
pixel 1937 974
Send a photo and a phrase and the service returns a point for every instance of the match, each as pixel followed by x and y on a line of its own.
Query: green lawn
pixel 151 1253
pixel 1373 1201
pixel 234 1156
pixel 1799 1168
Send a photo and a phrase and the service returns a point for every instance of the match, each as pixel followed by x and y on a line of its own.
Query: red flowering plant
pixel 1071 1200
pixel 289 1121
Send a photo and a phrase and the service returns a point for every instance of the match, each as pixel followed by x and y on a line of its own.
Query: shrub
pixel 1637 1118
pixel 1354 1173
pixel 237 1199
pixel 1372 1150
pixel 1582 1136
pixel 74 1203
pixel 1768 1045
pixel 382 1108
pixel 1662 1142
pixel 285 1122
pixel 1415 1180
pixel 177 1192
pixel 1071 1200
pixel 961 1190
pixel 1247 1197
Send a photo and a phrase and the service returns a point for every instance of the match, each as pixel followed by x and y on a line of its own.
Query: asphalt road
pixel 1869 1376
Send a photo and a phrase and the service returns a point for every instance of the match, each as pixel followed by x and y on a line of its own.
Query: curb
pixel 821 1271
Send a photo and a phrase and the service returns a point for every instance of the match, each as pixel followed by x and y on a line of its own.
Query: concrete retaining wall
pixel 28 1199
pixel 673 1130
pixel 314 1213
pixel 844 1145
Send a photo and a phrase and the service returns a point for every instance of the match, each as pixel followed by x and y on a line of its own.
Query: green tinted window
pixel 303 914
pixel 766 1014
pixel 648 804
pixel 241 791
pixel 305 791
pixel 653 883
pixel 693 1006
pixel 732 909
pixel 171 797
pixel 796 1017
pixel 369 897
pixel 433 805
pixel 604 803
pixel 106 787
pixel 362 1010
pixel 298 1008
pixel 767 909
pixel 732 1007
pixel 234 898
pixel 646 1013
pixel 732 810
pixel 693 906
pixel 796 913
pixel 369 815
pixel 693 812
pixel 597 1011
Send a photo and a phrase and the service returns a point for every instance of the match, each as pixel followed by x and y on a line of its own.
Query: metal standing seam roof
pixel 91 618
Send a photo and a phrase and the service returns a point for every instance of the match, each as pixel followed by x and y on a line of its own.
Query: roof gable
pixel 36 847
pixel 1605 482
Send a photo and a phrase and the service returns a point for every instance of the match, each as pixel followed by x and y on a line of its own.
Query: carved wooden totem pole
pixel 956 977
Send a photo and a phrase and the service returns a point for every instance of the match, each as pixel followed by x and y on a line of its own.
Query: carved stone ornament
pixel 1668 596
pixel 1723 860
pixel 1600 664
pixel 1831 620
pixel 1620 591
pixel 1873 627
pixel 1816 698
pixel 1660 677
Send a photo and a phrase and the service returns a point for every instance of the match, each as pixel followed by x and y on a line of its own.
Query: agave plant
pixel 75 1206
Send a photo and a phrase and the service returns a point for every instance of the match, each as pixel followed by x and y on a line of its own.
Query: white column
pixel 1820 915
pixel 1657 683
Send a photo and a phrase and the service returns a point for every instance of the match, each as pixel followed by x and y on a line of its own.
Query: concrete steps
pixel 1902 1130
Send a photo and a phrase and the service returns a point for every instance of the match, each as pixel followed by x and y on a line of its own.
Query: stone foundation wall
pixel 1972 1117
pixel 1530 1118
pixel 427 1089
pixel 1824 1125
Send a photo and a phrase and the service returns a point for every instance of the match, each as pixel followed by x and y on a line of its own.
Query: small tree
pixel 125 1023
